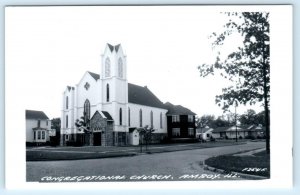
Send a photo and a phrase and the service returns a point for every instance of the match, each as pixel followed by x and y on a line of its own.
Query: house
pixel 204 133
pixel 180 122
pixel 254 131
pixel 113 108
pixel 240 132
pixel 38 128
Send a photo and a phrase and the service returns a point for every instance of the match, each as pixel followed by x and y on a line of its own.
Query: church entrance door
pixel 97 139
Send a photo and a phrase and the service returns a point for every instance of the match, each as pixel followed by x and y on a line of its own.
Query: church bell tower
pixel 115 85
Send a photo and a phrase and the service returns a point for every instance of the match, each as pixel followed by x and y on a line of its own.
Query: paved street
pixel 171 165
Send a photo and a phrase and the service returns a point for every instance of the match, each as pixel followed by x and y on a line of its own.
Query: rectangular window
pixel 190 118
pixel 67 137
pixel 175 118
pixel 46 122
pixel 39 123
pixel 175 132
pixel 161 126
pixel 191 131
pixel 39 135
pixel 43 134
pixel 67 121
pixel 34 134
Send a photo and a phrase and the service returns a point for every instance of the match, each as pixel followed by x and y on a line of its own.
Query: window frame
pixel 175 118
pixel 189 132
pixel 176 132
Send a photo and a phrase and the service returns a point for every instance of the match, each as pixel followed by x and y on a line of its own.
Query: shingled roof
pixel 34 114
pixel 143 96
pixel 177 109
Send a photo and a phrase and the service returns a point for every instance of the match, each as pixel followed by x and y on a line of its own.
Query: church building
pixel 113 109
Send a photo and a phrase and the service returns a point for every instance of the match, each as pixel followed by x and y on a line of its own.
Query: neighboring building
pixel 180 122
pixel 38 128
pixel 249 131
pixel 204 133
pixel 113 107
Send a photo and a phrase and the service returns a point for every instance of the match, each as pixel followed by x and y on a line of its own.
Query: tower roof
pixel 112 48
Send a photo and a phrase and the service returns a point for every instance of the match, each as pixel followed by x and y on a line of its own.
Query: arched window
pixel 87 110
pixel 120 116
pixel 128 117
pixel 141 118
pixel 107 92
pixel 151 119
pixel 67 121
pixel 67 102
pixel 120 67
pixel 161 121
pixel 107 67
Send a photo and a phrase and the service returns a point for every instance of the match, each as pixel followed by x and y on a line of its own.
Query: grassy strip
pixel 54 154
pixel 47 156
pixel 231 163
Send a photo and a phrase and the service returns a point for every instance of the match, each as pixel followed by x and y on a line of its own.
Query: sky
pixel 48 48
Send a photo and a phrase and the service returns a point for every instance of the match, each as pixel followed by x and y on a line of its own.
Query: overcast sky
pixel 48 48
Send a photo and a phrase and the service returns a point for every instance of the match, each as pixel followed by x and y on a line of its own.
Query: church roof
pixel 94 75
pixel 107 115
pixel 143 96
pixel 112 48
pixel 34 114
pixel 177 109
pixel 69 88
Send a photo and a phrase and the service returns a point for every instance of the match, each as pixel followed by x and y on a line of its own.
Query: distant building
pixel 180 122
pixel 204 134
pixel 114 108
pixel 38 128
pixel 241 132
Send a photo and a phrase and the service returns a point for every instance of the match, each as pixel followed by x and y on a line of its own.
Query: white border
pixel 281 120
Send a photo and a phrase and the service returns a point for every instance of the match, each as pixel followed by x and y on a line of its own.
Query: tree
pixel 145 134
pixel 205 120
pixel 55 124
pixel 220 122
pixel 83 124
pixel 249 67
pixel 249 118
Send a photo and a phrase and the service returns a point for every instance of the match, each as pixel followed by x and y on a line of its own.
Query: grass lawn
pixel 239 163
pixel 69 153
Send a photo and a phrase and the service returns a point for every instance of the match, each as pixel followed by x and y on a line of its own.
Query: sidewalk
pixel 92 152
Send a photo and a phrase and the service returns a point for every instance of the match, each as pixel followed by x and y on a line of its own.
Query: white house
pixel 204 133
pixel 113 107
pixel 38 128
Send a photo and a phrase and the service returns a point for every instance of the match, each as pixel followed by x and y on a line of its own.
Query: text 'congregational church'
pixel 114 108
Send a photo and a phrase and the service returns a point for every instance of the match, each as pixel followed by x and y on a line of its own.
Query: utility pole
pixel 236 136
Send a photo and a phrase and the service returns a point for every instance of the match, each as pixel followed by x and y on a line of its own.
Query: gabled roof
pixel 177 109
pixel 94 75
pixel 107 115
pixel 220 129
pixel 34 114
pixel 112 48
pixel 143 96
pixel 203 130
